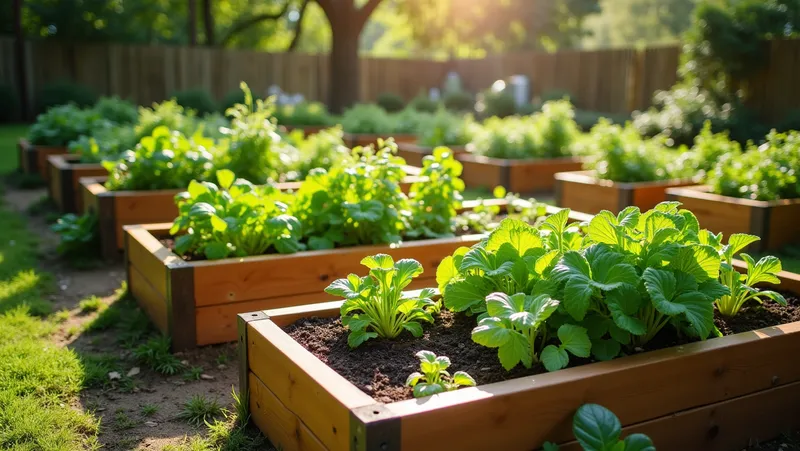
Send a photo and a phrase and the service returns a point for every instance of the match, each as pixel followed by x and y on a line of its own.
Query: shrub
pixel 500 104
pixel 198 100
pixel 303 114
pixel 459 101
pixel 588 119
pixel 409 120
pixel 424 103
pixel 232 98
pixel 167 114
pixel 446 129
pixel 117 110
pixel 390 102
pixel 9 111
pixel 62 124
pixel 62 93
pixel 367 118
pixel 558 94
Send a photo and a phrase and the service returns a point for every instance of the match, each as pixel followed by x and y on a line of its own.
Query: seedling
pixel 433 377
pixel 598 429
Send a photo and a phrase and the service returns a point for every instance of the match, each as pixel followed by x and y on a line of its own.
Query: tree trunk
pixel 192 18
pixel 19 57
pixel 208 22
pixel 344 66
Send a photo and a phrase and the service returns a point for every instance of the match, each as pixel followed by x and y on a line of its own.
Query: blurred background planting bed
pixel 744 388
pixel 65 173
pixel 33 159
pixel 583 191
pixel 413 153
pixel 776 221
pixel 518 176
pixel 196 302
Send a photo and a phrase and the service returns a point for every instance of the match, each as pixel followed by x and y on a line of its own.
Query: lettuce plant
pixel 446 129
pixel 62 124
pixel 234 218
pixel 434 378
pixel 598 429
pixel 434 201
pixel 742 286
pixel 376 306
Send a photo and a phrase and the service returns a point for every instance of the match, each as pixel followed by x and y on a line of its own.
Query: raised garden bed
pixel 365 139
pixel 64 185
pixel 116 209
pixel 307 129
pixel 33 159
pixel 196 302
pixel 776 222
pixel 719 394
pixel 582 191
pixel 414 153
pixel 518 176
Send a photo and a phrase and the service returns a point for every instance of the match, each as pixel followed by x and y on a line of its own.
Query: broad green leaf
pixel 518 233
pixel 216 250
pixel 545 261
pixel 462 378
pixel 765 271
pixel 577 296
pixel 196 189
pixel 356 322
pixel 629 217
pixel 408 306
pixel 658 221
pixel 357 337
pixel 596 325
pixel 616 276
pixel 737 242
pixel 605 349
pixel 554 358
pixel 477 258
pixel 557 222
pixel 575 340
pixel 347 288
pixel 413 378
pixel 596 428
pixel 515 350
pixel 572 264
pixel 541 307
pixel 423 389
pixel 660 285
pixel 462 295
pixel 549 446
pixel 777 297
pixel 700 261
pixel 620 335
pixel 507 253
pixel 638 442
pixel 502 305
pixel 407 269
pixel 503 270
pixel 698 310
pixel 491 333
pixel 225 177
pixel 684 282
pixel 426 356
pixel 625 299
pixel 445 272
pixel 382 261
pixel 602 228
pixel 218 224
pixel 713 290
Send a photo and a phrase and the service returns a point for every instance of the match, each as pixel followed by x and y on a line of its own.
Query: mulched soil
pixel 380 367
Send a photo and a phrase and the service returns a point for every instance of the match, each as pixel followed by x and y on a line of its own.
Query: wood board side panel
pixel 588 198
pixel 78 173
pixel 647 197
pixel 283 428
pixel 148 256
pixel 145 208
pixel 529 177
pixel 88 193
pixel 54 184
pixel 148 298
pixel 481 175
pixel 638 388
pixel 718 217
pixel 303 384
pixel 784 225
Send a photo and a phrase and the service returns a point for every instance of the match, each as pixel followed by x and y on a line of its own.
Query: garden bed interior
pixel 776 222
pixel 582 191
pixel 517 176
pixel 719 394
pixel 64 185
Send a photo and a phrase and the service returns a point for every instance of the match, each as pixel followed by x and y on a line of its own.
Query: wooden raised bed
pixel 721 394
pixel 64 185
pixel 776 222
pixel 414 153
pixel 365 139
pixel 517 176
pixel 307 129
pixel 582 191
pixel 197 302
pixel 116 209
pixel 33 159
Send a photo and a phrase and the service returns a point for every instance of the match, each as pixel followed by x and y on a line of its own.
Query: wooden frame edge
pixel 242 320
pixel 374 427
pixel 180 303
pixel 107 222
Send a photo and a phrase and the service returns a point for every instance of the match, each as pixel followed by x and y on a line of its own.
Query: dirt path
pixel 138 411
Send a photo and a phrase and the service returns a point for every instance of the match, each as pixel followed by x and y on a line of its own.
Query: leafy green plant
pixel 435 200
pixel 198 100
pixel 62 124
pixel 500 104
pixel 424 104
pixel 767 172
pixel 483 218
pixel 117 110
pixel 167 114
pixel 434 378
pixel 106 142
pixel 323 149
pixel 708 148
pixel 446 129
pixel 198 410
pixel 232 98
pixel 155 354
pixel 390 102
pixel 303 114
pixel 376 306
pixel 742 287
pixel 235 218
pixel 557 94
pixel 79 236
pixel 164 160
pixel 64 92
pixel 408 121
pixel 368 119
pixel 598 429
pixel 459 101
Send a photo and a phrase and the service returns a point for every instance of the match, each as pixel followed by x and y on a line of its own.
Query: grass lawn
pixel 9 134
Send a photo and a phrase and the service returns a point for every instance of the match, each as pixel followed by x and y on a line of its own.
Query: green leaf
pixel 225 178
pixel 765 271
pixel 491 333
pixel 216 250
pixel 318 243
pixel 616 276
pixel 737 242
pixel 502 305
pixel 621 335
pixel 572 264
pixel 426 356
pixel 356 323
pixel 413 378
pixel 699 310
pixel 196 189
pixel 605 349
pixel 660 285
pixel 477 258
pixel 422 390
pixel 414 327
pixel 554 358
pixel 557 222
pixel 381 261
pixel 777 297
pixel 575 340
pixel 464 294
pixel 596 428
pixel 577 294
pixel 515 350
pixel 700 261
pixel 549 446
pixel 541 307
pixel 218 224
pixel 347 288
pixel 638 442
pixel 519 234
pixel 602 228
pixel 629 217
pixel 407 269
pixel 463 379
pixel 713 290
pixel 357 337
pixel 445 272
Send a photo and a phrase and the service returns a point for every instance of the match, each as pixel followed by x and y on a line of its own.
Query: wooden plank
pixel 148 298
pixel 143 207
pixel 480 172
pixel 582 192
pixel 283 428
pixel 638 388
pixel 54 182
pixel 90 188
pixel 80 171
pixel 150 257
pixel 538 175
pixel 784 224
pixel 715 216
pixel 303 384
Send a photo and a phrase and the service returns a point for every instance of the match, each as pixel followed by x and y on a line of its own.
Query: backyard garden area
pixel 555 250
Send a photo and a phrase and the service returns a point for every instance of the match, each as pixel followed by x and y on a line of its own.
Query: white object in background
pixel 452 83
pixel 520 89
pixel 434 94
pixel 297 98
pixel 274 90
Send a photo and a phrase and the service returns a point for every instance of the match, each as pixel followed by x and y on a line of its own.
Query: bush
pixel 62 124
pixel 62 93
pixel 9 111
pixel 368 119
pixel 408 121
pixel 303 114
pixel 558 94
pixel 424 103
pixel 198 100
pixel 168 114
pixel 459 101
pixel 588 119
pixel 500 104
pixel 390 102
pixel 232 98
pixel 446 129
pixel 117 110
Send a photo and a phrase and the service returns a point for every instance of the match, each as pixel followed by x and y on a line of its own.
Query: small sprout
pixel 148 410
pixel 193 373
pixel 433 377
pixel 198 410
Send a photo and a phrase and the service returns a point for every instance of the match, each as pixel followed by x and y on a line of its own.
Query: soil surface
pixel 380 367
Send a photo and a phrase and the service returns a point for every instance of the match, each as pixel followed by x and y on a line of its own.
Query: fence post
pixel 19 59
pixel 635 80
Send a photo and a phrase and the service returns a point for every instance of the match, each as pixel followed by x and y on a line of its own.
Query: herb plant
pixel 446 129
pixel 376 306
pixel 303 114
pixel 742 286
pixel 598 429
pixel 62 124
pixel 367 118
pixel 117 110
pixel 167 114
pixel 434 378
pixel 79 236
pixel 107 141
pixel 234 218
pixel 323 149
pixel 432 217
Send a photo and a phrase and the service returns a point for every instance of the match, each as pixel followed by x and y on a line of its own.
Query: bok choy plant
pixel 433 376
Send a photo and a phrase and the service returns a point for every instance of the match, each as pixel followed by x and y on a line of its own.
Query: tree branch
pixel 367 10
pixel 299 28
pixel 245 24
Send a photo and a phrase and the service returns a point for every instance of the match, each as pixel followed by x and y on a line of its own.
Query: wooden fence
pixel 612 81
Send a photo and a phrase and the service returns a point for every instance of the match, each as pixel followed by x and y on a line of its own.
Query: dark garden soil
pixel 380 367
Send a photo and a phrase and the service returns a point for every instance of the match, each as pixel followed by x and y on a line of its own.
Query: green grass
pixel 9 157
pixel 39 381
pixel 91 304
pixel 199 410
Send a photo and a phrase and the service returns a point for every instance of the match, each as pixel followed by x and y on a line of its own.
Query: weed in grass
pixel 241 406
pixel 135 327
pixel 122 421
pixel 61 316
pixel 73 331
pixel 127 385
pixel 198 410
pixel 148 410
pixel 223 358
pixel 193 373
pixel 96 368
pixel 155 354
pixel 92 304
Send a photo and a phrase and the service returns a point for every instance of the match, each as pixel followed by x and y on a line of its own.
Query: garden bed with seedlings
pixel 193 285
pixel 64 184
pixel 538 321
pixel 583 191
